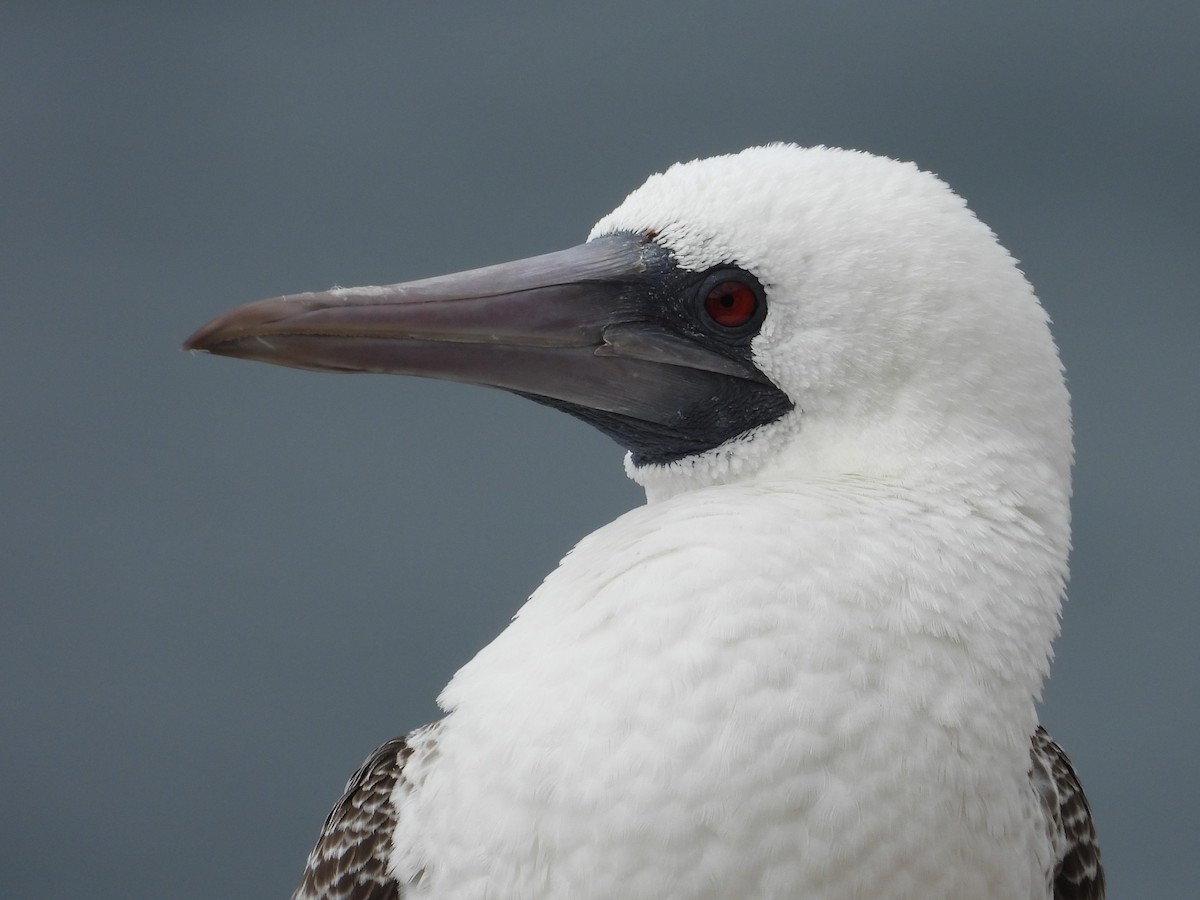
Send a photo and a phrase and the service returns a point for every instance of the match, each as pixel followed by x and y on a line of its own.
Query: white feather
pixel 808 667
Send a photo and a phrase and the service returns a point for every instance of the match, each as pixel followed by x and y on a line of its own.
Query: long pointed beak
pixel 570 329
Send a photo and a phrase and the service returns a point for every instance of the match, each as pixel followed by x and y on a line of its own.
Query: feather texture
pixel 1078 874
pixel 350 859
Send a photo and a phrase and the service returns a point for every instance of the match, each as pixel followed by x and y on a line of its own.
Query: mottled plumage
pixel 1078 874
pixel 350 859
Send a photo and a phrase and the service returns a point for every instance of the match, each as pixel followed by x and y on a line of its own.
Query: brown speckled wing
pixel 1078 874
pixel 350 860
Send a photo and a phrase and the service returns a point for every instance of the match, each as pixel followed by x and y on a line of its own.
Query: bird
pixel 808 666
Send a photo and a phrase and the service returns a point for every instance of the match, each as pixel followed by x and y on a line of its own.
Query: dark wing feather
pixel 1078 874
pixel 350 859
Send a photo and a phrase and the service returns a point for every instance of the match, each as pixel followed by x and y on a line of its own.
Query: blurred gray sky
pixel 224 584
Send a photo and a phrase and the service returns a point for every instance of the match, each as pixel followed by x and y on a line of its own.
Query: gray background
pixel 224 583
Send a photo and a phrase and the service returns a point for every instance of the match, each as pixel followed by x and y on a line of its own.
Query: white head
pixel 886 333
pixel 906 337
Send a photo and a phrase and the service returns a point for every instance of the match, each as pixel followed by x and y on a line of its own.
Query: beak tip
pixel 242 321
pixel 195 343
pixel 205 338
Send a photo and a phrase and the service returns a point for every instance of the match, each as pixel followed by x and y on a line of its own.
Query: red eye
pixel 731 303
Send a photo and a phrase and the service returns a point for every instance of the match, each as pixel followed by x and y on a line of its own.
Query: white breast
pixel 782 690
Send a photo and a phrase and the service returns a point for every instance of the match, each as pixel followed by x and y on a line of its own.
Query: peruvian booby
pixel 808 667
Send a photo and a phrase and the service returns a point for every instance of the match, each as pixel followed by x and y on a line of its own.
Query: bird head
pixel 779 312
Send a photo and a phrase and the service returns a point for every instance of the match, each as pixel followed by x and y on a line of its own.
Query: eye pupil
pixel 731 303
